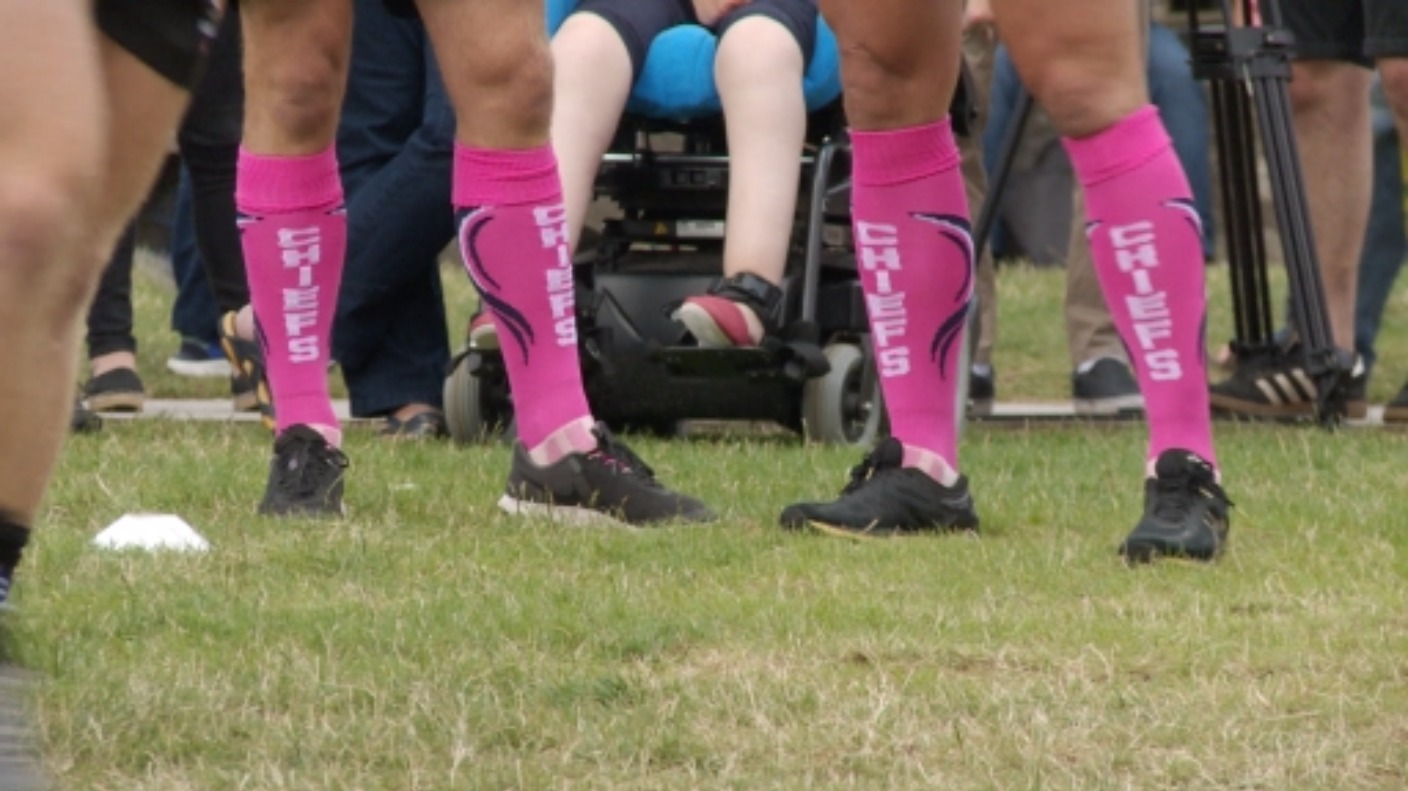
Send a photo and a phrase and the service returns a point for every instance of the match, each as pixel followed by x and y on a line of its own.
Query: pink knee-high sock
pixel 914 247
pixel 513 234
pixel 1146 241
pixel 294 232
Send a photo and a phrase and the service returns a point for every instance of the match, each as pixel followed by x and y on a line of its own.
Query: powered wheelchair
pixel 667 176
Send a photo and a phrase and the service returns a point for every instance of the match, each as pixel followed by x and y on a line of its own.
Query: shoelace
pixel 867 469
pixel 619 458
pixel 1179 493
pixel 308 465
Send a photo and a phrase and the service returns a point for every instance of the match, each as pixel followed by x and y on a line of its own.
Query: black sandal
pixel 429 424
pixel 118 390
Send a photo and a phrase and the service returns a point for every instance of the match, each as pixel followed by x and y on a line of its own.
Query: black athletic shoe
pixel 1185 512
pixel 609 484
pixel 305 476
pixel 1276 384
pixel 82 420
pixel 982 390
pixel 1107 387
pixel 885 500
pixel 249 383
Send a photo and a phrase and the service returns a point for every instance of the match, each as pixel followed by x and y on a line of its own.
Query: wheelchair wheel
pixel 467 410
pixel 843 406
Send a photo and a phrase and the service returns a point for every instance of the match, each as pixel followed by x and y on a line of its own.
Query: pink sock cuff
pixel 897 156
pixel 1124 146
pixel 505 177
pixel 270 184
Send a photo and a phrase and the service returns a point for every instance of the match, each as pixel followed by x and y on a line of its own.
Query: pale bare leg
pixel 759 70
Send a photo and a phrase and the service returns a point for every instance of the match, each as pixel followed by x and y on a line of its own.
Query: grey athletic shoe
pixel 1106 387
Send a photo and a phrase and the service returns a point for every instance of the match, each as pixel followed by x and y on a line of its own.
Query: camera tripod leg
pixel 1248 66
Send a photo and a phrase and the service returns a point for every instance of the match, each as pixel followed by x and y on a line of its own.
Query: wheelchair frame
pixel 816 376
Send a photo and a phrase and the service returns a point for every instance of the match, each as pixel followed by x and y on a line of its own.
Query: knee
pixel 759 49
pixel 298 98
pixel 1083 100
pixel 888 91
pixel 516 85
pixel 1394 74
pixel 42 241
pixel 1318 84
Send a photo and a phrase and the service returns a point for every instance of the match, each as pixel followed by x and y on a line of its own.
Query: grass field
pixel 428 642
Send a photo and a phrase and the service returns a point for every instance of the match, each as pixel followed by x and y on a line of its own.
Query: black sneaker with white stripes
pixel 1276 384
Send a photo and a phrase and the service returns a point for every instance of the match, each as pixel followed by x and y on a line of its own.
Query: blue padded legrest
pixel 677 83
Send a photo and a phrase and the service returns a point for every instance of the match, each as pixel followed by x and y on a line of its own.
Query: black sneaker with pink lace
pixel 608 484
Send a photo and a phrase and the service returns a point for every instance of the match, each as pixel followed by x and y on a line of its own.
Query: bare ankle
pixel 103 363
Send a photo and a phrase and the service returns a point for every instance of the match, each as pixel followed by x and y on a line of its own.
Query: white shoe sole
pixel 1119 405
pixel 199 369
pixel 703 327
pixel 561 514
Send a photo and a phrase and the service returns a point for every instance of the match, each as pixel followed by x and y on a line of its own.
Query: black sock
pixel 13 537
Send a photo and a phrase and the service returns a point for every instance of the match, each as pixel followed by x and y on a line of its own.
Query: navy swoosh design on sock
pixel 1189 209
pixel 470 226
pixel 506 315
pixel 949 332
pixel 958 230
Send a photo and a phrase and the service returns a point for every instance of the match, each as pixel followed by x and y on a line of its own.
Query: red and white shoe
pixel 737 312
pixel 482 332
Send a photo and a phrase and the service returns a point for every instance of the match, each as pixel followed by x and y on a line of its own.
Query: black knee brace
pixel 171 36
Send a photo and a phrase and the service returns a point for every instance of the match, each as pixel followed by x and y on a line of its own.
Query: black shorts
pixel 173 37
pixel 1358 31
pixel 405 9
pixel 639 21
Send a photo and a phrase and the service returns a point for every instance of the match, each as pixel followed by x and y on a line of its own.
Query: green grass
pixel 429 642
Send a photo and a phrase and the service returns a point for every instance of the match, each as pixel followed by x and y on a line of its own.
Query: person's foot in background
pixel 249 384
pixel 415 422
pixel 199 358
pixel 113 384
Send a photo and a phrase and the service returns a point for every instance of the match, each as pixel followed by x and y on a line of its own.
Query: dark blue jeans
pixel 1385 245
pixel 1180 100
pixel 194 313
pixel 395 148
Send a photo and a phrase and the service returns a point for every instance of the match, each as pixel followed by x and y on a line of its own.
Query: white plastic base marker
pixel 151 532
